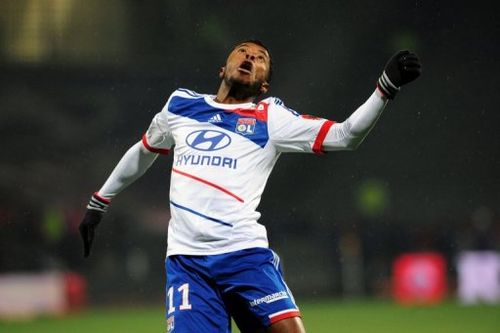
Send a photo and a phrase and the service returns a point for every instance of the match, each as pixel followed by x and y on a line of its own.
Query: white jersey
pixel 223 155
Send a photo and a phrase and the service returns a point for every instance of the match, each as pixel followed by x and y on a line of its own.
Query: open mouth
pixel 246 67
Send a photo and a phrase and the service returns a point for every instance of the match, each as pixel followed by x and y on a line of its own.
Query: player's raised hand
pixel 402 68
pixel 95 211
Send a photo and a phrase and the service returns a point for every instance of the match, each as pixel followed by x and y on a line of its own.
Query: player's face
pixel 248 64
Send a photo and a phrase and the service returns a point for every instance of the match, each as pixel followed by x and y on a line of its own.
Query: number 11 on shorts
pixel 184 291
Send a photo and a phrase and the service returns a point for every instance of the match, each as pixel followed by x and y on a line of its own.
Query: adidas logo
pixel 215 119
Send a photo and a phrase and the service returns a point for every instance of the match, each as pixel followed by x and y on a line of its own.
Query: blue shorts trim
pixel 204 292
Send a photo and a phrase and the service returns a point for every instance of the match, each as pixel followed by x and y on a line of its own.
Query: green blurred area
pixel 319 317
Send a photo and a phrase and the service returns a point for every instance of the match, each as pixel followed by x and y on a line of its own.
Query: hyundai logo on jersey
pixel 208 140
pixel 219 161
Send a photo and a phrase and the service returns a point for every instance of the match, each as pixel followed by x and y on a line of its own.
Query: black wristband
pixel 98 203
pixel 387 88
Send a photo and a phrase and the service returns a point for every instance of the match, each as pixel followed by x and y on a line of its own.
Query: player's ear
pixel 264 87
pixel 221 72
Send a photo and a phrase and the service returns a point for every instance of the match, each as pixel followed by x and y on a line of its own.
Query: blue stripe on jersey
pixel 198 109
pixel 190 93
pixel 200 214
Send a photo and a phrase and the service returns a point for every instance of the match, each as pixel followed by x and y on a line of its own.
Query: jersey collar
pixel 210 100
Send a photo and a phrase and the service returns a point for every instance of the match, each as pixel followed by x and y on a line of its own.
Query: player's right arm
pixel 134 163
pixel 291 132
pixel 402 68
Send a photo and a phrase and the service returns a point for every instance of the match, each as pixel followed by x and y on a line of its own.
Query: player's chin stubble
pixel 241 90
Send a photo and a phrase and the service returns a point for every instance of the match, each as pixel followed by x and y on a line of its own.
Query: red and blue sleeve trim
pixel 153 149
pixel 102 199
pixel 275 317
pixel 323 131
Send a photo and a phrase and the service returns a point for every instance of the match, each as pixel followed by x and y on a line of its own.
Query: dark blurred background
pixel 81 80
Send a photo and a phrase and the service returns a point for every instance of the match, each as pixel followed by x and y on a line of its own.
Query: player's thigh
pixel 192 304
pixel 289 325
pixel 254 290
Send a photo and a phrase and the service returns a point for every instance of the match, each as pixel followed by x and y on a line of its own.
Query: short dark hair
pixel 261 44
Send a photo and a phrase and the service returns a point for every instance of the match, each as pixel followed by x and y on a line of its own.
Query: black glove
pixel 95 211
pixel 402 68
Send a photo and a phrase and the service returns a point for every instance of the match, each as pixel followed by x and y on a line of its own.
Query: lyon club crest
pixel 246 126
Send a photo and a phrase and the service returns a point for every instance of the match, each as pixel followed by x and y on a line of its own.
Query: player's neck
pixel 226 96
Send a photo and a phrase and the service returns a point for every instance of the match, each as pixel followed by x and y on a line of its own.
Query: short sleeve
pixel 158 138
pixel 291 132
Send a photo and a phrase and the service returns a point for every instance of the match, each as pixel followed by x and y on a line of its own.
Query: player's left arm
pixel 134 163
pixel 402 68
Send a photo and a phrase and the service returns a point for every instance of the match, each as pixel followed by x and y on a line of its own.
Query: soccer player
pixel 218 262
